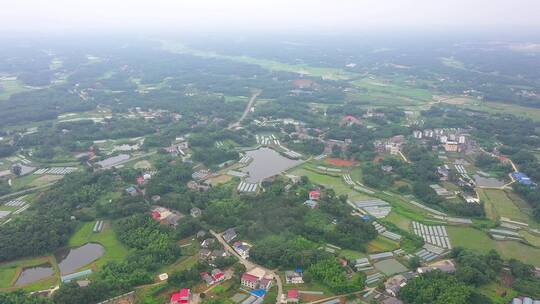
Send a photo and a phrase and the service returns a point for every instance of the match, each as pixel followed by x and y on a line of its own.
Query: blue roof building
pixel 73 276
pixel 522 178
pixel 259 293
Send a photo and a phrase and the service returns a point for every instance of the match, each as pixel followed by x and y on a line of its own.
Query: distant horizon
pixel 264 16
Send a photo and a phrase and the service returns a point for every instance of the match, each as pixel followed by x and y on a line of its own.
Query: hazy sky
pixel 250 15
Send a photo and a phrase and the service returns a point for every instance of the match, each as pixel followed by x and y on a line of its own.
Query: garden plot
pixel 348 180
pixel 376 208
pixel 55 170
pixel 504 234
pixel 266 140
pixel 247 187
pixel 429 253
pixel 373 278
pixel 435 235
pixel 390 267
pixel 326 169
pixel 245 160
pixel 15 203
pixel 384 232
pixel 320 157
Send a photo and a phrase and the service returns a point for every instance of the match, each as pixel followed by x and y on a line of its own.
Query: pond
pixel 72 259
pixel 267 163
pixel 34 274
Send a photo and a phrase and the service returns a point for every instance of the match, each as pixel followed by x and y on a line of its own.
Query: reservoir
pixel 71 260
pixel 34 274
pixel 267 163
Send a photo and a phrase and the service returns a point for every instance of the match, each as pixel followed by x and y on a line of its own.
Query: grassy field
pixel 505 108
pixel 327 73
pixel 114 250
pixel 495 291
pixel 399 220
pixel 475 239
pixel 11 87
pixel 328 181
pixel 392 92
pixel 498 203
pixel 351 254
pixel 10 271
pixel 381 244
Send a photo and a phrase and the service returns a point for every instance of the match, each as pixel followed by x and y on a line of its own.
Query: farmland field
pixel 478 240
pixel 498 203
pixel 114 250
pixel 9 271
pixel 10 87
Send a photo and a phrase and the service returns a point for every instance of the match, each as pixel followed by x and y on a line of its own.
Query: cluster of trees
pixel 473 270
pixel 286 251
pixel 307 146
pixel 20 297
pixel 439 288
pixel 152 246
pixel 491 164
pixel 525 279
pixel 330 273
pixel 374 176
pixel 50 226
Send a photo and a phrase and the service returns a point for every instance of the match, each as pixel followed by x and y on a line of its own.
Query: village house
pixel 315 195
pixel 207 278
pixel 256 279
pixel 444 265
pixel 293 296
pixel 242 249
pixel 293 277
pixel 451 146
pixel 198 186
pixel 206 243
pixel 392 300
pixel 218 275
pixel 131 190
pixel 351 120
pixel 387 168
pixel 204 254
pixel 195 212
pixel 166 216
pixel 249 281
pixel 311 204
pixel 218 253
pixel 229 235
pixel 214 277
pixel 181 297
pixel 394 284
pixel 200 234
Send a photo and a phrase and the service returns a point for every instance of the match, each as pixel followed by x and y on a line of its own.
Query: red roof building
pixel 352 120
pixel 140 180
pixel 293 294
pixel 156 216
pixel 249 281
pixel 181 297
pixel 218 275
pixel 314 195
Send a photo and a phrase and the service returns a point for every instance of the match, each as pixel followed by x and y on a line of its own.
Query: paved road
pixel 246 111
pixel 250 265
pixel 25 191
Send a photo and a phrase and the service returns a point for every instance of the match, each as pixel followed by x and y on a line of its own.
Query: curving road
pixel 246 111
pixel 250 265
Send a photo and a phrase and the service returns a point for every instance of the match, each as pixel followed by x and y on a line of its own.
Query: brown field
pixel 221 179
pixel 338 162
pixel 45 179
